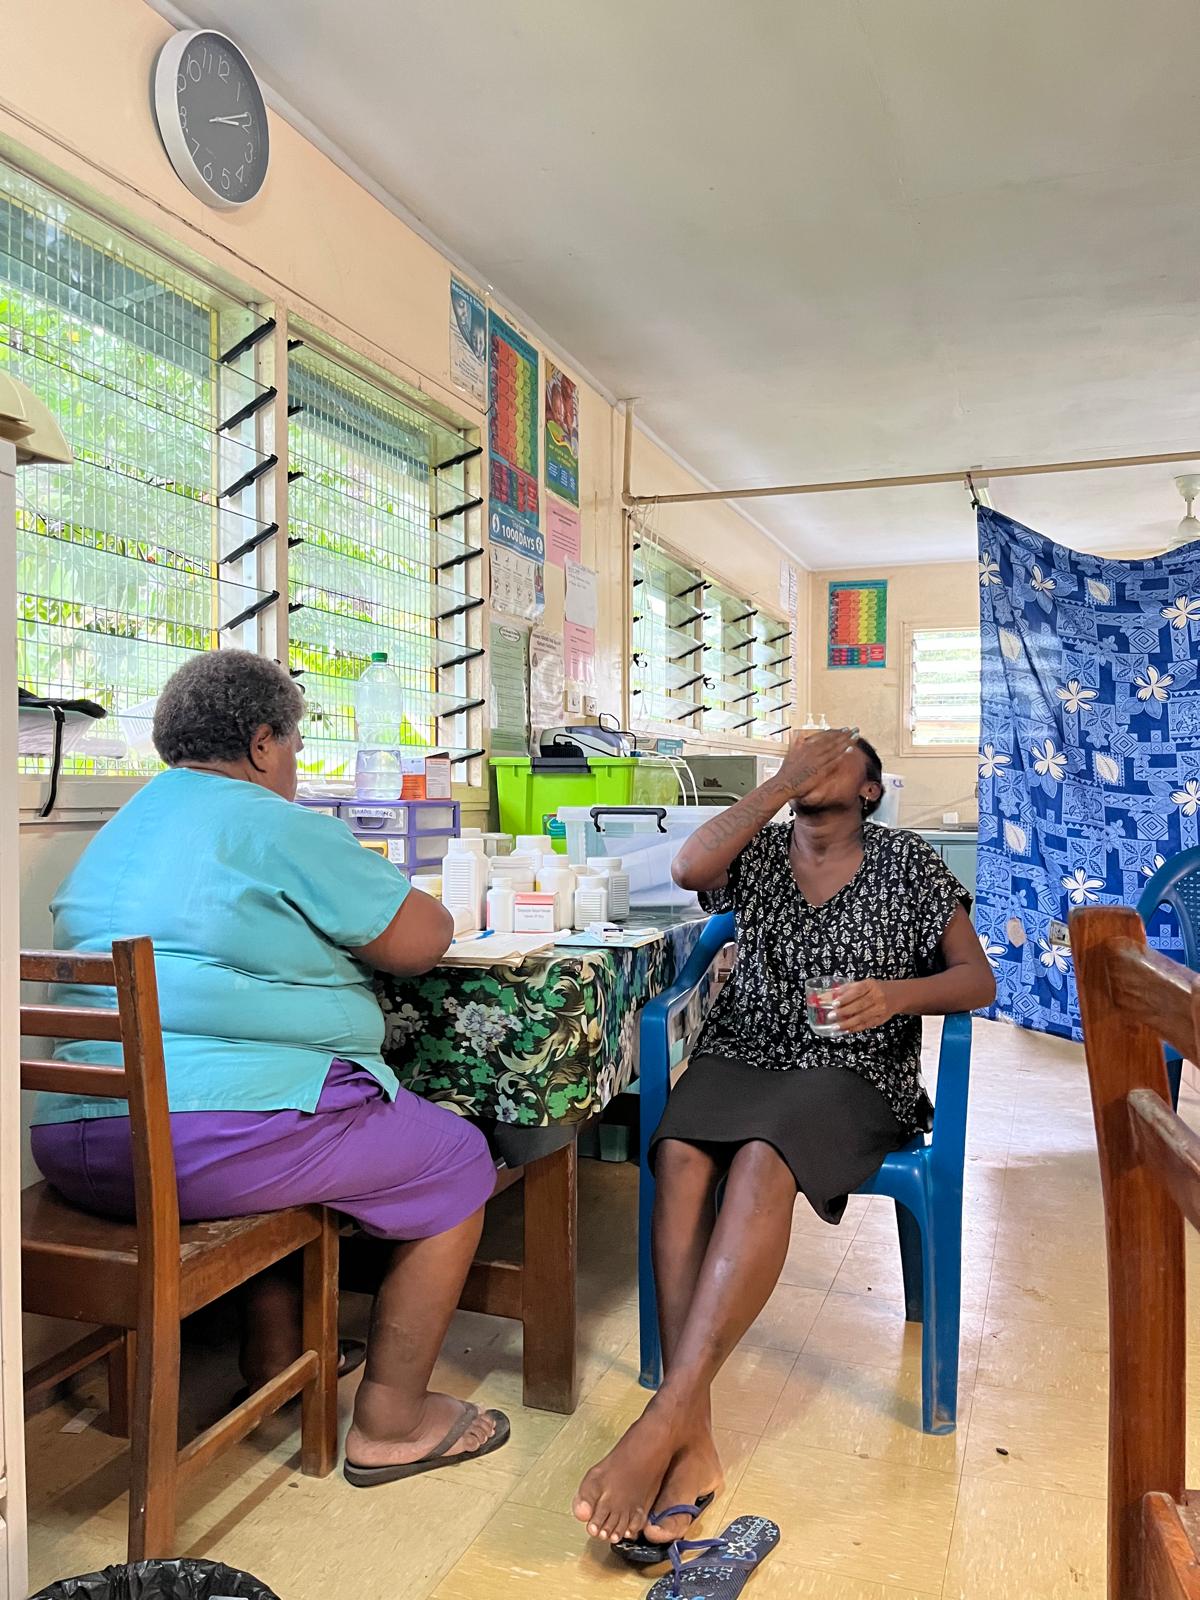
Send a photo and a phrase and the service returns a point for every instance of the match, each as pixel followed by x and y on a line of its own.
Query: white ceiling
pixel 818 240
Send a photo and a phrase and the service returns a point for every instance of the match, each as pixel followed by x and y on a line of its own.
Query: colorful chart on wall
pixel 513 421
pixel 562 434
pixel 858 623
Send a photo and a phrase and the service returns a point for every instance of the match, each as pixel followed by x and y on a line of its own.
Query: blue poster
pixel 515 535
pixel 1089 764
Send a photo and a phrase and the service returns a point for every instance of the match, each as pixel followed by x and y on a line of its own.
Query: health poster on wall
pixel 512 422
pixel 468 342
pixel 518 584
pixel 547 679
pixel 564 542
pixel 579 644
pixel 509 664
pixel 562 434
pixel 858 623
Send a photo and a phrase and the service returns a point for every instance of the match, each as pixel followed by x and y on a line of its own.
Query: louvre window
pixel 119 571
pixel 384 556
pixel 704 658
pixel 943 687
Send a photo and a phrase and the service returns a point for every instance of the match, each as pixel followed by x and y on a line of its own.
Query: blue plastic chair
pixel 1177 884
pixel 925 1179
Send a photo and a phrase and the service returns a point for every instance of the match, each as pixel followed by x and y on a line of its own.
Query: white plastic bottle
pixel 591 904
pixel 464 879
pixel 616 880
pixel 378 712
pixel 501 908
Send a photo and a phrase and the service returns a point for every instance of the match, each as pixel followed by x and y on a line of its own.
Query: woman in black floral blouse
pixel 768 1105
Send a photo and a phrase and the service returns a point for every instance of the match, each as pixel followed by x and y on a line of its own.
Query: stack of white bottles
pixel 508 876
pixel 616 882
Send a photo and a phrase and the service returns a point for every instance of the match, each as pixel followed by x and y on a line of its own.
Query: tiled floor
pixel 818 1413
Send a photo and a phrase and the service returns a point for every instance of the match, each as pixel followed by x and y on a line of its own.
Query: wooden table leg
pixel 549 1281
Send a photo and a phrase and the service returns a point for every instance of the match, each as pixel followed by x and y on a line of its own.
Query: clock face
pixel 211 117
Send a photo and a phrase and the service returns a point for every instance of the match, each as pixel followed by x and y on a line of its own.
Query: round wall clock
pixel 211 117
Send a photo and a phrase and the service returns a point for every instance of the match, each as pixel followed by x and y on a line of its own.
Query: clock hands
pixel 240 120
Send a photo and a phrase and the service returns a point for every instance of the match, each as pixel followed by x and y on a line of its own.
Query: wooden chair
pixel 1131 1000
pixel 142 1278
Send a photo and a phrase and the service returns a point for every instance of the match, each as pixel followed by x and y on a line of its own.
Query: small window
pixel 705 659
pixel 942 698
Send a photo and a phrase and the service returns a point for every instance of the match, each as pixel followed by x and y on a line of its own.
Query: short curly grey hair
pixel 211 708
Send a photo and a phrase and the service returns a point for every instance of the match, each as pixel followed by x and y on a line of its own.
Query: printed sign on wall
pixel 512 422
pixel 562 434
pixel 858 623
pixel 468 342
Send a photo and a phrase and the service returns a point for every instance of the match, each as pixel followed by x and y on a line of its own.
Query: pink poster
pixel 562 533
pixel 579 647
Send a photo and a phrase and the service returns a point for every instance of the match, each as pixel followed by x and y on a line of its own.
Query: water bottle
pixel 378 711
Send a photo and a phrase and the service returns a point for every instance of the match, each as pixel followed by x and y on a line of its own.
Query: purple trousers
pixel 402 1169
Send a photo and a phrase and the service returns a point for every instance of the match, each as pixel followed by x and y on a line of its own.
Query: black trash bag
pixel 161 1580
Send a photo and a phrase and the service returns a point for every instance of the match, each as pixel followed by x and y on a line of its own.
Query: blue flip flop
pixel 720 1567
pixel 647 1553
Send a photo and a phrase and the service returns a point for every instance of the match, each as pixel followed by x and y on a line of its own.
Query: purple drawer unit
pixel 417 832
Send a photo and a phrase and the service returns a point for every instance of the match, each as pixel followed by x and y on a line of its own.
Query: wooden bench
pixel 1131 1000
pixel 140 1279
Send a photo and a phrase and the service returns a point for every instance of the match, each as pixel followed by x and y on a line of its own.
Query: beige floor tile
pixel 859 1329
pixel 813 1260
pixel 869 1412
pixel 779 1580
pixel 525 1551
pixel 1049 1441
pixel 863 1330
pixel 786 1320
pixel 1029 1291
pixel 1044 1358
pixel 748 1387
pixel 861 1519
pixel 1013 1542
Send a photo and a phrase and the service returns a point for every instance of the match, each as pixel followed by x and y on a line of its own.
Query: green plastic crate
pixel 526 799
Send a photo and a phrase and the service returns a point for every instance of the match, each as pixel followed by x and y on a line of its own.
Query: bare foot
pixel 695 1470
pixel 616 1494
pixel 439 1413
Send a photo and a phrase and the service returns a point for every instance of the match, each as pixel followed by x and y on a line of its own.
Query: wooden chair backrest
pixel 1131 999
pixel 141 1079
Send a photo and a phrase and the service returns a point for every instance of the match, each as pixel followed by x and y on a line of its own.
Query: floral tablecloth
pixel 548 1042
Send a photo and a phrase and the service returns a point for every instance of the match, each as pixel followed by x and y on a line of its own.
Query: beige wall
pixel 945 595
pixel 74 77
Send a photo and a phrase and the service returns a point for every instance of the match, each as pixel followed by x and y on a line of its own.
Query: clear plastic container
pixel 378 713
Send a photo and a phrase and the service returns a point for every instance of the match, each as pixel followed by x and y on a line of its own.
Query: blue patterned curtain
pixel 1089 766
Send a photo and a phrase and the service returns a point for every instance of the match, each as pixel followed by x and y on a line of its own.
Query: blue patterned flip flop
pixel 645 1552
pixel 721 1566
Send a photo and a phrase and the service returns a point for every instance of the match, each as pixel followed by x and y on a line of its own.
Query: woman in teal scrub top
pixel 267 920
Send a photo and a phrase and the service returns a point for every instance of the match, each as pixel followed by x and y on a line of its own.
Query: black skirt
pixel 831 1127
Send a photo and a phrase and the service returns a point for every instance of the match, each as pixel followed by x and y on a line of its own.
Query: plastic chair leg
pixel 942 1241
pixel 654 1087
pixel 911 1262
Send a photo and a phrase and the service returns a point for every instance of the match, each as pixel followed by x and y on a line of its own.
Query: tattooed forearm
pixel 704 860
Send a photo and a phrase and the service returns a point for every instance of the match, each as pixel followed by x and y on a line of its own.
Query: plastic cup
pixel 822 1006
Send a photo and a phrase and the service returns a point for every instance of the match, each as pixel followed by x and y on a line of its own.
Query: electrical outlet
pixel 950 819
pixel 1060 934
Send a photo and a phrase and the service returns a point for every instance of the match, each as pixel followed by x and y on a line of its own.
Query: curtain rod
pixel 910 481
